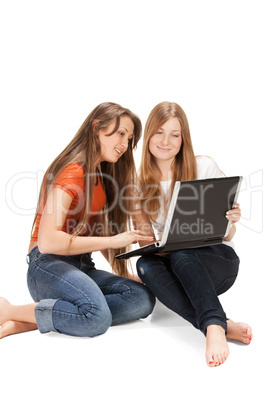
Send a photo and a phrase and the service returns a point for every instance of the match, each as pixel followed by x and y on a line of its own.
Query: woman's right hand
pixel 126 238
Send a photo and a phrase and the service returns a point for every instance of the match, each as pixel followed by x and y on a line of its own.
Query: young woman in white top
pixel 186 281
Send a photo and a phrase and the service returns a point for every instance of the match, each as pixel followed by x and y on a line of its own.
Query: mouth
pixel 163 149
pixel 118 151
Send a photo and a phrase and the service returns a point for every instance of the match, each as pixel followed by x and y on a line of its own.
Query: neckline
pixel 165 181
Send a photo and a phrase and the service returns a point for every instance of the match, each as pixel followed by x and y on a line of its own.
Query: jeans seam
pixel 224 258
pixel 218 256
pixel 121 285
pixel 34 285
pixel 225 280
pixel 71 314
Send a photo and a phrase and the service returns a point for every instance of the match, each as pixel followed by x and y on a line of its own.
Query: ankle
pixel 215 329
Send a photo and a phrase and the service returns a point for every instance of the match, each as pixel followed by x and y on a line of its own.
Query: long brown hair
pixel 84 150
pixel 184 167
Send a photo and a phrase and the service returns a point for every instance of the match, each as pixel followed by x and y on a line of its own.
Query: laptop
pixel 196 215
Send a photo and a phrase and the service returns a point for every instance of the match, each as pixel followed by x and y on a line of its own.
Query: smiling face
pixel 114 145
pixel 165 144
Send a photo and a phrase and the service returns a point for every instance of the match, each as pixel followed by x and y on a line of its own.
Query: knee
pixel 98 320
pixel 142 301
pixel 144 266
pixel 102 323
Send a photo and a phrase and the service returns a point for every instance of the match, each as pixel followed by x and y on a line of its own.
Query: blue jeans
pixel 77 299
pixel 189 282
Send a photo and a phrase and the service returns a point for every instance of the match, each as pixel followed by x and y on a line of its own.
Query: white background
pixel 59 59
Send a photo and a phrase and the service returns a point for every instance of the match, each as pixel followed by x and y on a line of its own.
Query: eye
pixel 159 132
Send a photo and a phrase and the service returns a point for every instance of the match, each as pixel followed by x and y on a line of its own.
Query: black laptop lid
pixel 197 215
pixel 200 209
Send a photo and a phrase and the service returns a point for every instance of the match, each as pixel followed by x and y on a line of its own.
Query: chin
pixel 112 160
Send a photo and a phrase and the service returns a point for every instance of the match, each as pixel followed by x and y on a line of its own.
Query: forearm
pixel 52 240
pixel 62 243
pixel 58 242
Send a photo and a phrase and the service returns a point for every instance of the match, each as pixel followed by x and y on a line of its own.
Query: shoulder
pixel 71 179
pixel 207 167
pixel 73 169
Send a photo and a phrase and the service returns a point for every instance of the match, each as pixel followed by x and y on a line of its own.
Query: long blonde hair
pixel 184 167
pixel 84 149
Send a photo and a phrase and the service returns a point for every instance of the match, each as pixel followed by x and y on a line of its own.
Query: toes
pixel 220 360
pixel 217 360
pixel 213 364
pixel 210 359
pixel 213 361
pixel 240 332
pixel 249 334
pixel 248 339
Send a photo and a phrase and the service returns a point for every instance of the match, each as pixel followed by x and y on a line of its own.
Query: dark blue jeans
pixel 77 299
pixel 189 282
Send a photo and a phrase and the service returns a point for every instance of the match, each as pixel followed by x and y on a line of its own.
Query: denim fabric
pixel 189 282
pixel 77 299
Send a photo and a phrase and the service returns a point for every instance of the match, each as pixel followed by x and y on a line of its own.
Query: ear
pixel 95 126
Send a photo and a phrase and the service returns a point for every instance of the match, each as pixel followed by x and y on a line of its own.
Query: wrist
pixel 110 242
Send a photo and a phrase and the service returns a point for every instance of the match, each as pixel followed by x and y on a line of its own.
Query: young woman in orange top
pixel 84 206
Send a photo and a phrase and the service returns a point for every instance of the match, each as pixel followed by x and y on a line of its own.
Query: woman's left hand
pixel 234 214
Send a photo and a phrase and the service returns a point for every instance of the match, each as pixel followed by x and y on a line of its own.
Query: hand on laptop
pixel 234 214
pixel 126 238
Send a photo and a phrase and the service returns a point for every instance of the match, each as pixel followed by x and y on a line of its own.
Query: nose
pixel 124 142
pixel 165 139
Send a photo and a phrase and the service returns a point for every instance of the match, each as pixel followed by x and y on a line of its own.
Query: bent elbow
pixel 47 246
pixel 54 243
pixel 44 248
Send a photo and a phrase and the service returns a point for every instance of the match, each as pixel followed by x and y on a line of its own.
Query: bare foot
pixel 239 331
pixel 217 348
pixel 15 327
pixel 4 310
